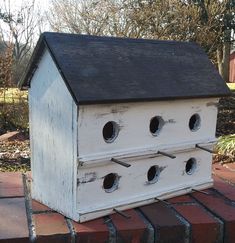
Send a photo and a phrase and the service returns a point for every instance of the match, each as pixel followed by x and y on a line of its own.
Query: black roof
pixel 107 69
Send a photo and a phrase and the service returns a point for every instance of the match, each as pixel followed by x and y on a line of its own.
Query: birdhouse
pixel 117 123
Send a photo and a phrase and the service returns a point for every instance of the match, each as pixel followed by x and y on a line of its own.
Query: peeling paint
pixel 172 121
pixel 195 107
pixel 88 177
pixel 100 115
pixel 113 110
pixel 121 109
pixel 216 104
pixel 120 127
pixel 80 163
pixel 161 168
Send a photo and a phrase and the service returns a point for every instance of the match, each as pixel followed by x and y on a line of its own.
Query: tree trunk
pixel 223 54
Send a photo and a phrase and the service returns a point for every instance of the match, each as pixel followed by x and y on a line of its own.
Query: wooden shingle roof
pixel 107 70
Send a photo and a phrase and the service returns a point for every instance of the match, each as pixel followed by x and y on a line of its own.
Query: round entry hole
pixel 110 182
pixel 194 122
pixel 110 131
pixel 190 166
pixel 156 124
pixel 153 174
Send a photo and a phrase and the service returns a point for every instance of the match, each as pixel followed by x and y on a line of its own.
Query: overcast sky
pixel 42 4
pixel 15 5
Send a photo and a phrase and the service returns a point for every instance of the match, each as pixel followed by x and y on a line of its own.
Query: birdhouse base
pixel 83 217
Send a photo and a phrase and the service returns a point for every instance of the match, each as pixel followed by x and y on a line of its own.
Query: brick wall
pixel 197 217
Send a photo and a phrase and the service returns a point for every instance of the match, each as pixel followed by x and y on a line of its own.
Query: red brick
pixel 230 166
pixel 13 220
pixel 51 227
pixel 39 207
pixel 8 136
pixel 205 228
pixel 181 199
pixel 218 167
pixel 129 230
pixel 168 227
pixel 91 231
pixel 221 208
pixel 11 184
pixel 224 173
pixel 224 188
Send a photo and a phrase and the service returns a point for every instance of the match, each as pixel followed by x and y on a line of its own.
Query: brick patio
pixel 196 217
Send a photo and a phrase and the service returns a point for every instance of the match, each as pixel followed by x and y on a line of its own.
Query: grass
pixel 231 86
pixel 12 95
pixel 13 110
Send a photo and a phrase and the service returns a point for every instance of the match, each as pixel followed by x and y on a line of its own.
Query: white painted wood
pixel 133 185
pixel 53 130
pixel 140 154
pixel 134 119
pixel 181 191
pixel 136 145
pixel 70 157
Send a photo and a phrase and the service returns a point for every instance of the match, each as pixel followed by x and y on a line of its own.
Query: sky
pixel 43 5
pixel 15 5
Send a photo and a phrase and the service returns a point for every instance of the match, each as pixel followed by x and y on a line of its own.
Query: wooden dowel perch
pixel 120 162
pixel 166 154
pixel 205 149
pixel 195 190
pixel 122 214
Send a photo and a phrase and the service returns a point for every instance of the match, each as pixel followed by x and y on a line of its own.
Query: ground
pixel 15 153
pixel 226 116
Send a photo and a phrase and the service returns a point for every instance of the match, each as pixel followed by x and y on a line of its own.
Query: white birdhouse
pixel 118 123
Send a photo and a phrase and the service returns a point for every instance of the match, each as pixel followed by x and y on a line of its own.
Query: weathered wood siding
pixel 133 186
pixel 53 114
pixel 70 157
pixel 133 120
pixel 137 146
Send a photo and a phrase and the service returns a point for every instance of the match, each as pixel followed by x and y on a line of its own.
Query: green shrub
pixel 13 110
pixel 14 117
pixel 226 145
pixel 231 86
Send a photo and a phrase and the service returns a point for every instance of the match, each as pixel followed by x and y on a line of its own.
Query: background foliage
pixel 13 103
pixel 210 23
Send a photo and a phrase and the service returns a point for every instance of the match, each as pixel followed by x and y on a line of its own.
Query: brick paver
pixel 13 220
pixel 168 227
pixel 224 188
pixel 11 184
pixel 223 209
pixel 194 217
pixel 224 173
pixel 39 207
pixel 51 227
pixel 130 230
pixel 95 231
pixel 204 226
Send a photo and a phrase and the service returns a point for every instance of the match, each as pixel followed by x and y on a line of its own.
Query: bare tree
pixel 129 18
pixel 18 27
pixel 211 23
pixel 83 16
pixel 206 22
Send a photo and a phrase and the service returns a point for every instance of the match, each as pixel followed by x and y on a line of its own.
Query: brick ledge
pixel 196 217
